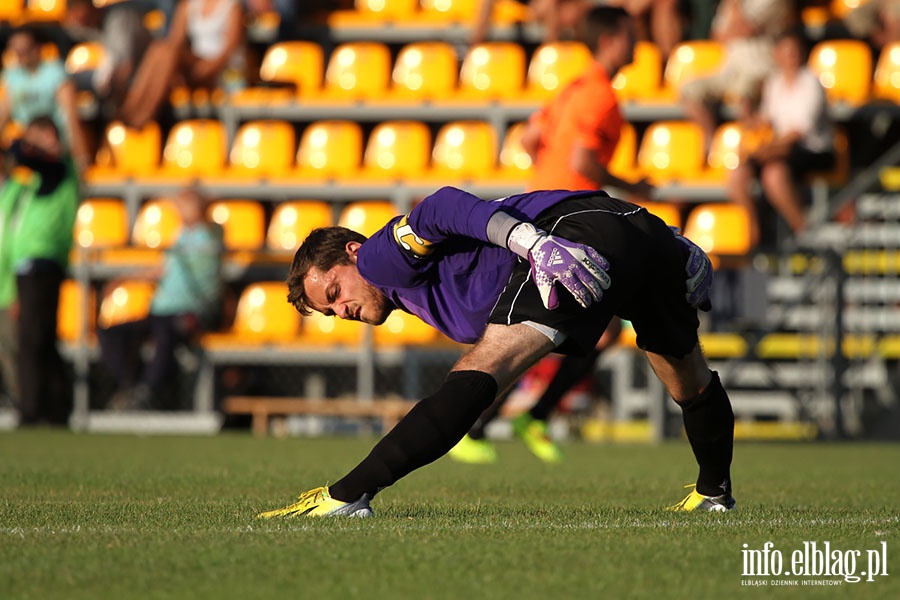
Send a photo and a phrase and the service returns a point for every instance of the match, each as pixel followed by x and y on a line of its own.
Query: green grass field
pixel 91 516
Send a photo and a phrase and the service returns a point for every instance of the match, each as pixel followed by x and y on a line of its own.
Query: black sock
pixel 426 433
pixel 489 414
pixel 572 369
pixel 709 425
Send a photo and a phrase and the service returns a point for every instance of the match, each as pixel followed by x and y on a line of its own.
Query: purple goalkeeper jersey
pixel 454 287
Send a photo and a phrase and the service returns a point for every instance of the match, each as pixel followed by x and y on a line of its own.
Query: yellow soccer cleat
pixel 318 502
pixel 697 501
pixel 474 452
pixel 534 433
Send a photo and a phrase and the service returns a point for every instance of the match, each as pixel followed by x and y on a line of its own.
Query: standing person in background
pixel 36 87
pixel 571 142
pixel 37 214
pixel 556 17
pixel 187 301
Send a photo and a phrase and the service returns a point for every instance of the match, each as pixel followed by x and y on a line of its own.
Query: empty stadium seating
pixel 553 66
pixel 329 149
pixel 671 151
pixel 194 148
pixel 262 317
pixel 76 313
pixel 492 71
pixel 689 60
pixel 357 71
pixel 721 229
pixel 397 150
pixel 243 224
pixel 296 66
pixel 640 81
pixel 424 71
pixel 368 13
pixel 126 152
pixel 127 300
pixel 156 225
pixel 464 150
pixel 844 68
pixel 886 84
pixel 262 150
pixel 367 217
pixel 292 221
pixel 101 223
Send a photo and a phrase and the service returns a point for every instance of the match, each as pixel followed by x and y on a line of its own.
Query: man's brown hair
pixel 602 21
pixel 323 248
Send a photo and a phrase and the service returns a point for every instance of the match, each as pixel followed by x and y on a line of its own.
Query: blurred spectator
pixel 800 140
pixel 187 301
pixel 876 21
pixel 556 17
pixel 38 205
pixel 572 139
pixel 204 48
pixel 9 346
pixel 746 28
pixel 34 86
pixel 660 21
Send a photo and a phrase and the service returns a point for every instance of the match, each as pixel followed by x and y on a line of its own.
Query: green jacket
pixel 34 226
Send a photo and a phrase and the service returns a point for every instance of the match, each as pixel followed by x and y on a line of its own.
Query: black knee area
pixel 426 433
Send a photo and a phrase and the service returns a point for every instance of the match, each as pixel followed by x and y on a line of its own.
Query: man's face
pixel 26 51
pixel 342 291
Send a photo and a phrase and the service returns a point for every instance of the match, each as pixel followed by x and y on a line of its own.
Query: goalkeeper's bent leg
pixel 425 434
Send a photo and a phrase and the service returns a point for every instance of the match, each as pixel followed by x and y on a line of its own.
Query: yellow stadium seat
pixel 243 223
pixel 841 8
pixel 85 56
pixel 293 221
pixel 624 160
pixel 296 65
pixel 844 68
pixel 670 213
pixel 11 132
pixel 886 85
pixel 721 229
pixel 75 314
pixel 367 217
pixel 262 149
pixel 127 152
pixel 515 163
pixel 329 150
pixel 101 223
pixel 194 148
pixel 464 150
pixel 403 329
pixel 317 329
pixel 424 71
pixel 397 150
pixel 553 66
pixel 156 225
pixel 492 71
pixel 374 12
pixel 10 10
pixel 688 61
pixel 724 152
pixel 263 316
pixel 672 151
pixel 44 10
pixel 357 71
pixel 449 11
pixel 640 80
pixel 125 302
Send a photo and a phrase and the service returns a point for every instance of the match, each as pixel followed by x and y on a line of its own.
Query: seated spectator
pixel 662 22
pixel 556 17
pixel 203 49
pixel 187 301
pixel 36 87
pixel 746 28
pixel 789 137
pixel 37 214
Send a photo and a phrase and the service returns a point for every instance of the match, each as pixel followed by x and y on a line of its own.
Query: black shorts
pixel 647 272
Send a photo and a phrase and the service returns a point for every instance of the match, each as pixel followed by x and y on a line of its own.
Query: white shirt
pixel 798 106
pixel 208 33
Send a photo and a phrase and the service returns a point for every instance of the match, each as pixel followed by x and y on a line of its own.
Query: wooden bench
pixel 263 407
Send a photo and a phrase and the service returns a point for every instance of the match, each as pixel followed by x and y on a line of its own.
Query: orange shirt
pixel 586 113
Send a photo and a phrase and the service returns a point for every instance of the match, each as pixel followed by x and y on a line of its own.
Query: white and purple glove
pixel 699 271
pixel 579 268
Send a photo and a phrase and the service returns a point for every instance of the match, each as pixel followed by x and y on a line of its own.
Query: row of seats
pixel 102 230
pixel 262 316
pixel 668 151
pixel 499 71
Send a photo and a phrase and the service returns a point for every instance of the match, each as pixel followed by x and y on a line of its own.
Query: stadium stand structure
pixel 394 111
